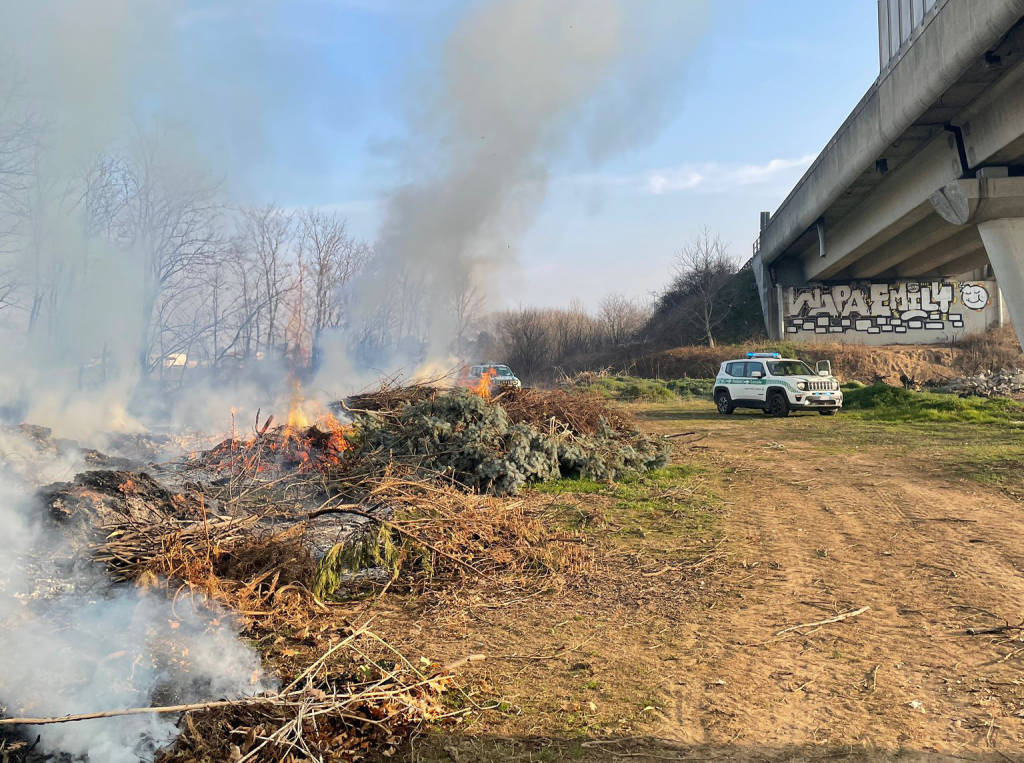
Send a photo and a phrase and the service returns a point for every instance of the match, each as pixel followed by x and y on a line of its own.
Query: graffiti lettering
pixel 878 308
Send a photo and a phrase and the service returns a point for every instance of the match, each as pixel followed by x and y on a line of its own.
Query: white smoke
pixel 74 644
pixel 522 86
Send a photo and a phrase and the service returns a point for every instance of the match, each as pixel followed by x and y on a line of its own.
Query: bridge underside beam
pixel 943 258
pixel 917 243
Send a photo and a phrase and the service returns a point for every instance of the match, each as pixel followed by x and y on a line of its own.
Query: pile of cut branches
pixel 479 444
pixel 582 412
pixel 268 564
pixel 291 524
pixel 389 397
pixel 438 533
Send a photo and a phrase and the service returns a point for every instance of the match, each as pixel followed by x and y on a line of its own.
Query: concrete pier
pixel 1004 244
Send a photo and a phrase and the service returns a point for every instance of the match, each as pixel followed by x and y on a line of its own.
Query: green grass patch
pixel 577 485
pixel 665 502
pixel 635 389
pixel 882 402
pixel 664 477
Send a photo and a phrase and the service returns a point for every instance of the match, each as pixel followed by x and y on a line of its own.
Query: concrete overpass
pixel 923 181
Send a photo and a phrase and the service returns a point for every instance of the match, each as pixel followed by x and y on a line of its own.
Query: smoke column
pixel 522 86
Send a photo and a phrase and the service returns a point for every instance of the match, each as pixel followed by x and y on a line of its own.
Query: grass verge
pixel 635 389
pixel 882 402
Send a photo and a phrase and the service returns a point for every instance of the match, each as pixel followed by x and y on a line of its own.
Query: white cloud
pixel 723 176
pixel 760 173
pixel 665 181
pixel 707 177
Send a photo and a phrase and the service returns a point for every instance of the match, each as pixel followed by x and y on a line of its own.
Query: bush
pixel 994 350
pixel 880 401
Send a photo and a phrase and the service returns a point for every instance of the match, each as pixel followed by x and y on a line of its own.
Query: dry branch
pixel 836 619
pixel 138 711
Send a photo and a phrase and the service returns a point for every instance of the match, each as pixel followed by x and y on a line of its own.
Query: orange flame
pixel 297 419
pixel 483 387
pixel 311 439
pixel 327 423
pixel 299 422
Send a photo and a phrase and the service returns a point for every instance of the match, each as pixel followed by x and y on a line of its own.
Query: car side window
pixel 751 367
pixel 734 369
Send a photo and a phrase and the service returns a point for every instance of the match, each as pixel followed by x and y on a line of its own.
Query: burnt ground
pixel 669 648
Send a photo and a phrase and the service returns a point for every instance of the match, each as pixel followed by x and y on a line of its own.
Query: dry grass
pixel 360 696
pixel 582 412
pixel 849 361
pixel 994 350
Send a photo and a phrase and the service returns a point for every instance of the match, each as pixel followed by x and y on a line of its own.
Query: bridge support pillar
pixel 1004 242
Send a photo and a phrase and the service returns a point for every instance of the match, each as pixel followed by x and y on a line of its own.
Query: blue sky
pixel 325 88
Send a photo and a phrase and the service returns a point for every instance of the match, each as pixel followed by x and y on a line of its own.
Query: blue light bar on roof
pixel 763 355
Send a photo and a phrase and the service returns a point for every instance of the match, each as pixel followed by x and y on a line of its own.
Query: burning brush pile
pixel 292 527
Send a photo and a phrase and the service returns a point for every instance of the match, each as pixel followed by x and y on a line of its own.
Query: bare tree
pixel 703 268
pixel 20 135
pixel 527 341
pixel 621 318
pixel 265 237
pixel 467 306
pixel 334 258
pixel 163 215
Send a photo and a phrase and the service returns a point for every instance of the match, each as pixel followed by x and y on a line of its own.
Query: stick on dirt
pixel 836 619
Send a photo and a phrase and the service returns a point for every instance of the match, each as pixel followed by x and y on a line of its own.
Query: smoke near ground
pixel 74 643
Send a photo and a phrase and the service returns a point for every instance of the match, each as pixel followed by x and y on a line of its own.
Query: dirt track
pixel 823 527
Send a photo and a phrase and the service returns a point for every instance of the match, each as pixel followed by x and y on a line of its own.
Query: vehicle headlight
pixel 835 385
pixel 801 385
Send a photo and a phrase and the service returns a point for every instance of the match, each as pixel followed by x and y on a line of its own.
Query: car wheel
pixel 723 402
pixel 833 412
pixel 778 405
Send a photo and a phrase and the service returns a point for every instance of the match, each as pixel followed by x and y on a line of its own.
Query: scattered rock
pixel 1004 383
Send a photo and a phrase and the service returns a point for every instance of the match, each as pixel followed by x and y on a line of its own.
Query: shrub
pixel 880 401
pixel 993 350
pixel 635 389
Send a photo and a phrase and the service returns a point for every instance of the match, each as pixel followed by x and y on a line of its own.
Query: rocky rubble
pixel 1004 383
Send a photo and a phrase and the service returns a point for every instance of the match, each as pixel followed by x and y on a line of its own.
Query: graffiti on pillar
pixel 882 308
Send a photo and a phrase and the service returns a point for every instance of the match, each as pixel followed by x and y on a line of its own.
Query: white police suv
pixel 776 385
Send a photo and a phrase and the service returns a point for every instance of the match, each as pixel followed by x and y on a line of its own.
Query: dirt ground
pixel 677 651
pixel 837 521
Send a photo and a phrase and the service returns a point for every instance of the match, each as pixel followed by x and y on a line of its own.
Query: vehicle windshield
pixel 790 368
pixel 503 371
